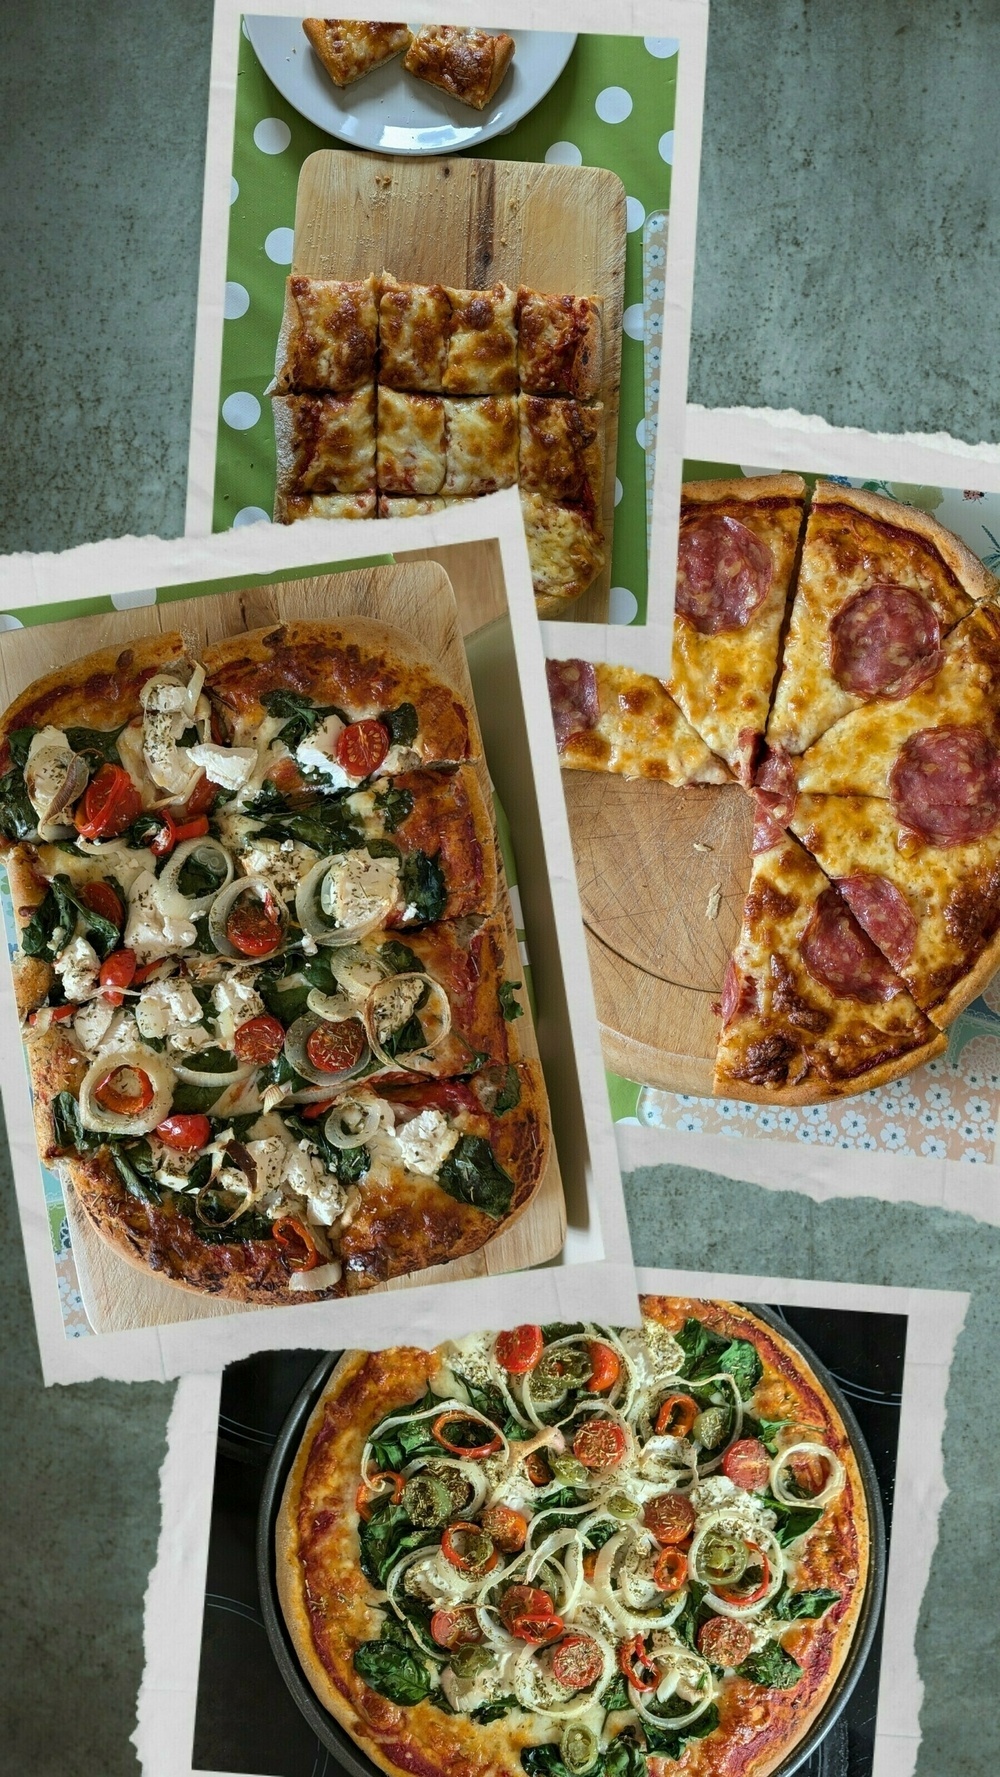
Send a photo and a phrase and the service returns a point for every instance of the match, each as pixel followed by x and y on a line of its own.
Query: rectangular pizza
pixel 559 344
pixel 328 339
pixel 561 449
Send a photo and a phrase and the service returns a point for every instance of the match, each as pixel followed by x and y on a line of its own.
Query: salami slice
pixel 776 785
pixel 884 913
pixel 885 642
pixel 766 831
pixel 724 574
pixel 945 785
pixel 739 993
pixel 573 696
pixel 841 957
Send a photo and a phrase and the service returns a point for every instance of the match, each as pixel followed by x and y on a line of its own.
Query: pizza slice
pixel 933 911
pixel 481 444
pixel 328 339
pixel 932 753
pixel 411 454
pixel 415 324
pixel 290 508
pixel 325 444
pixel 811 1009
pixel 611 718
pixel 482 345
pixel 879 586
pixel 345 701
pixel 351 48
pixel 738 544
pixel 470 65
pixel 565 549
pixel 559 344
pixel 561 452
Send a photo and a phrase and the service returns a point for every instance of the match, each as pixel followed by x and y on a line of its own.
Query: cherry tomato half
pixel 455 1628
pixel 509 1529
pixel 101 899
pixel 125 1091
pixel 671 1570
pixel 361 747
pixel 605 1367
pixel 748 1465
pixel 724 1642
pixel 600 1443
pixel 108 805
pixel 577 1662
pixel 538 1631
pixel 201 799
pixel 333 1048
pixel 669 1517
pixel 537 1468
pixel 298 1247
pixel 253 926
pixel 163 844
pixel 519 1350
pixel 676 1416
pixel 259 1040
pixel 524 1601
pixel 117 973
pixel 186 1132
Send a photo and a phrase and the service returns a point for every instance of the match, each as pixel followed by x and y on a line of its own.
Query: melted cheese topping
pixel 411 443
pixel 482 445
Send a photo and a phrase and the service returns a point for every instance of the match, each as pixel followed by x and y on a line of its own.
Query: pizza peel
pixel 825 1743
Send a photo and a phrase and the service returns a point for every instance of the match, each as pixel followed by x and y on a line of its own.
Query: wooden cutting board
pixel 468 223
pixel 417 598
pixel 663 875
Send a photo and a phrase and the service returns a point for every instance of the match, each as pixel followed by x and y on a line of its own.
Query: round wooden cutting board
pixel 663 876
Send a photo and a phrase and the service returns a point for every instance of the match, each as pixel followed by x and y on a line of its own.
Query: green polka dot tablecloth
pixel 612 107
pixel 950 1108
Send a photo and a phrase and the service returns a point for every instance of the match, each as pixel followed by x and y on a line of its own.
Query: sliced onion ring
pixel 317 925
pixel 834 1483
pixel 222 906
pixel 438 1002
pixel 296 1038
pixel 195 1076
pixel 146 1061
pixel 340 1137
pixel 169 895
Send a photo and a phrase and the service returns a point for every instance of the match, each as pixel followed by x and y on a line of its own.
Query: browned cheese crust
pixel 468 64
pixel 351 48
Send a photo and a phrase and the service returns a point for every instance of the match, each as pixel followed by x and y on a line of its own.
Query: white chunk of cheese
pixel 357 887
pixel 165 1004
pixel 149 931
pixel 270 1154
pixel 228 766
pixel 93 1021
pixel 49 758
pixel 283 869
pixel 78 967
pixel 169 765
pixel 425 1142
pixel 316 753
pixel 238 996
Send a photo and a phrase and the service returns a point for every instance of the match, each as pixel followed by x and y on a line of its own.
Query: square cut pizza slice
pixel 328 336
pixel 811 1009
pixel 468 64
pixel 879 587
pixel 933 911
pixel 415 323
pixel 560 345
pixel 325 444
pixel 481 444
pixel 291 507
pixel 737 549
pixel 482 348
pixel 351 48
pixel 411 449
pixel 565 549
pixel 402 506
pixel 562 450
pixel 611 718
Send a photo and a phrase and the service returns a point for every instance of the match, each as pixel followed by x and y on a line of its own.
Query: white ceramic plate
pixel 391 111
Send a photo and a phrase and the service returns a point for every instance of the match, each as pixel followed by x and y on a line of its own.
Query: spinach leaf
pixel 805 1604
pixel 102 933
pixel 498 1089
pixel 393 1667
pixel 399 958
pixel 486 1398
pixel 402 724
pixel 471 1175
pixel 494 1711
pixel 280 1072
pixel 544 1761
pixel 19 744
pixel 190 1099
pixel 793 1521
pixel 707 1352
pixel 602 1532
pixel 440 1701
pixel 247 1227
pixel 385 1536
pixel 561 1329
pixel 136 1169
pixel 301 715
pixel 17 817
pixel 268 800
pixel 143 831
pixel 625 1758
pixel 395 806
pixel 200 875
pixel 671 1744
pixel 98 744
pixel 326 827
pixel 67 1127
pixel 509 1006
pixel 556 1509
pixel 772 1667
pixel 346 1164
pixel 401 1443
pixel 286 1004
pixel 686 1625
pixel 616 1696
pixel 423 885
pixel 216 1061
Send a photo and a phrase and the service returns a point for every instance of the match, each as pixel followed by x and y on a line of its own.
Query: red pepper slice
pixel 637 1666
pixel 671 1570
pixel 114 1092
pixel 299 1249
pixel 475 1561
pixel 676 1416
pixel 456 1417
pixel 369 1491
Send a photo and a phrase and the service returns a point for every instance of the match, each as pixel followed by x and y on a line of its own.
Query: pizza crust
pixel 469 64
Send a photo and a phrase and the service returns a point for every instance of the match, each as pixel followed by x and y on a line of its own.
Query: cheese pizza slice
pixel 415 325
pixel 325 444
pixel 811 1009
pixel 562 449
pixel 350 48
pixel 738 544
pixel 880 584
pixel 411 448
pixel 559 344
pixel 289 508
pixel 407 506
pixel 565 549
pixel 482 346
pixel 611 718
pixel 933 911
pixel 481 444
pixel 328 337
pixel 468 64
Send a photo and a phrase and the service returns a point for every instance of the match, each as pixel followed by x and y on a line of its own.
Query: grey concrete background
pixel 848 264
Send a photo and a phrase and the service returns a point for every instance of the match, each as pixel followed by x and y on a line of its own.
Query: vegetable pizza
pixel 266 973
pixel 578 1551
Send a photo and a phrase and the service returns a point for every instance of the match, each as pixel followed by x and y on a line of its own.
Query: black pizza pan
pixel 821 1740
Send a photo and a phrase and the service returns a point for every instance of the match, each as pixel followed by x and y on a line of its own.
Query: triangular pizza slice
pixel 879 586
pixel 737 550
pixel 612 718
pixel 811 1009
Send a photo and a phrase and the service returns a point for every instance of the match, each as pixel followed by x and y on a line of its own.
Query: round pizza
pixel 838 653
pixel 578 1551
pixel 266 967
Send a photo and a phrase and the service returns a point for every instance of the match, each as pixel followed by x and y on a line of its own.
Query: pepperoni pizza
pixel 844 662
